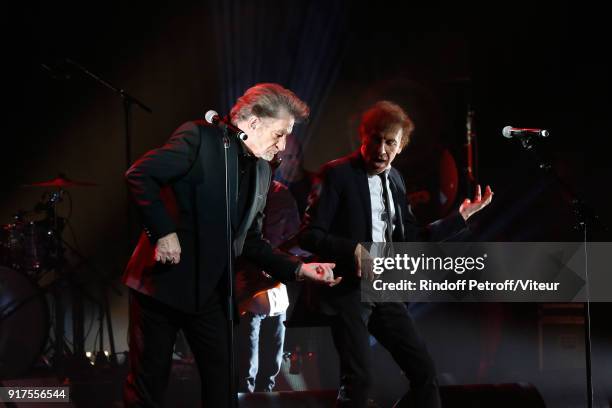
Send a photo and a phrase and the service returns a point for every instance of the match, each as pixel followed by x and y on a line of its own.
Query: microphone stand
pixel 230 273
pixel 471 150
pixel 583 216
pixel 128 101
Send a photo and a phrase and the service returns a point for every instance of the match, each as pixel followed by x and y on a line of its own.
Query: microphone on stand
pixel 214 119
pixel 510 132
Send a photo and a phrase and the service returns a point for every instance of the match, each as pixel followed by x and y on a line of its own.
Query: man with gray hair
pixel 178 273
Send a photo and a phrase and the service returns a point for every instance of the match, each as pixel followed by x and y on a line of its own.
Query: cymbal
pixel 61 182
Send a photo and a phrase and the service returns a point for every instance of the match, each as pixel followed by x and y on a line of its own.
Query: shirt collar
pixel 386 171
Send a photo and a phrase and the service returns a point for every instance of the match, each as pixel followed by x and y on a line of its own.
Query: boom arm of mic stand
pixel 128 101
pixel 121 92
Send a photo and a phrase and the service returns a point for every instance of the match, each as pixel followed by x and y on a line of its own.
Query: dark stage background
pixel 520 63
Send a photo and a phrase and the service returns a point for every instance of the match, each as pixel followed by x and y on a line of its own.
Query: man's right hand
pixel 168 249
pixel 363 263
pixel 319 272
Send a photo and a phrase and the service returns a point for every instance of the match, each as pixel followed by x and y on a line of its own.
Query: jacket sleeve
pixel 279 265
pixel 157 168
pixel 323 206
pixel 437 231
pixel 440 230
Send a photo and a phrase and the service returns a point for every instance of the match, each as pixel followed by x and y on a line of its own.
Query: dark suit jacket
pixel 340 216
pixel 180 188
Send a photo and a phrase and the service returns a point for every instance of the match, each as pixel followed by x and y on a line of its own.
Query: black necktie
pixel 387 213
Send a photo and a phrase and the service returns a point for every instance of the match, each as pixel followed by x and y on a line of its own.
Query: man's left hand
pixel 319 272
pixel 471 207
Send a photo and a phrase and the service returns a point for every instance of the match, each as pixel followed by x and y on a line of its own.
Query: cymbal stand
pixel 62 360
pixel 104 315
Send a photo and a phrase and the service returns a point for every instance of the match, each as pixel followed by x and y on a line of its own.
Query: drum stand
pixel 104 316
pixel 78 360
pixel 65 362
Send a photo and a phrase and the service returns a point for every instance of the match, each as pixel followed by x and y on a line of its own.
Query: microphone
pixel 510 132
pixel 213 118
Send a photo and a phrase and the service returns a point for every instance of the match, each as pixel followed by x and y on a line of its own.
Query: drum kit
pixel 30 247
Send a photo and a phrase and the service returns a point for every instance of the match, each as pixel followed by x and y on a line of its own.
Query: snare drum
pixel 26 246
pixel 10 244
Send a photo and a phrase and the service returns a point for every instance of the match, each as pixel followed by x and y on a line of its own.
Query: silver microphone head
pixel 210 117
pixel 507 132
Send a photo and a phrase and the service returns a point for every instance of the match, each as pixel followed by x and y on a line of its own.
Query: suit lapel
pixel 254 198
pixel 398 204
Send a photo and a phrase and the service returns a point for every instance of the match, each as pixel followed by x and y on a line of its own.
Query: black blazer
pixel 340 216
pixel 180 188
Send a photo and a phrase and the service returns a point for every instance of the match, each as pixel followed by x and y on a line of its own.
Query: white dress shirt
pixel 379 225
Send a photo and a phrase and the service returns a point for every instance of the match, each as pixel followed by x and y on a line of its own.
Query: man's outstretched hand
pixel 319 272
pixel 471 207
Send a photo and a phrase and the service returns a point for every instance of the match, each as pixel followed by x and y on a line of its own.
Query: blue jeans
pixel 260 375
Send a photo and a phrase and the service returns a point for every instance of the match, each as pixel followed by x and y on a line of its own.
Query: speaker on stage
pixel 486 396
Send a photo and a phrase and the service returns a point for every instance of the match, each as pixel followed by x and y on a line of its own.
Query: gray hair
pixel 267 100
